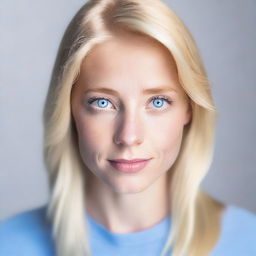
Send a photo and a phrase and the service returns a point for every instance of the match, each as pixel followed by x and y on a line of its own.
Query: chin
pixel 128 189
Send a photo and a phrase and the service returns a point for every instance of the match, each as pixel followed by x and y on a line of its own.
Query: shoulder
pixel 238 232
pixel 27 233
pixel 239 221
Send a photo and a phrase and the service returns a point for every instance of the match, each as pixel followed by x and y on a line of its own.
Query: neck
pixel 127 213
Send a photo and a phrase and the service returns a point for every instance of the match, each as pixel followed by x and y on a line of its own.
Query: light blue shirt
pixel 29 234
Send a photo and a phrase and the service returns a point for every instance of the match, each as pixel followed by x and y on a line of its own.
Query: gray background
pixel 30 34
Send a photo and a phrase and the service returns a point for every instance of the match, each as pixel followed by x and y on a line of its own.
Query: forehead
pixel 132 59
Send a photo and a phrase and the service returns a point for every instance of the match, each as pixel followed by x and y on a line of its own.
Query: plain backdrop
pixel 30 32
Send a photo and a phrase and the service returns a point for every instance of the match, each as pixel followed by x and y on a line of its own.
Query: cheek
pixel 90 135
pixel 168 135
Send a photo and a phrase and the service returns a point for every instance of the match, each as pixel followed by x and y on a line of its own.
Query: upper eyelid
pixel 152 97
pixel 109 98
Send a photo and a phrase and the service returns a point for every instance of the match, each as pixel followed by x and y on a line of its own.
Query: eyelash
pixel 93 99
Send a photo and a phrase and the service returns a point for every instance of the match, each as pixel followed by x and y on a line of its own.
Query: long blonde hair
pixel 196 216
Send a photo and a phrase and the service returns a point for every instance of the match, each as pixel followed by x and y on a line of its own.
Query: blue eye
pixel 158 101
pixel 102 103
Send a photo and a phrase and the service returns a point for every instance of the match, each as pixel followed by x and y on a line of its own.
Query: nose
pixel 129 129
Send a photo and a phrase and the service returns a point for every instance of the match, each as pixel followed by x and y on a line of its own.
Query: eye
pixel 159 101
pixel 100 102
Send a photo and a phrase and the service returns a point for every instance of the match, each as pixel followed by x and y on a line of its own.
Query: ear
pixel 188 115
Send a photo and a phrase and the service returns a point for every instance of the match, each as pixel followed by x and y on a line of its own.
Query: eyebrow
pixel 145 91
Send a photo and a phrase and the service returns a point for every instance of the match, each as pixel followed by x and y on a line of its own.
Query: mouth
pixel 129 166
pixel 129 161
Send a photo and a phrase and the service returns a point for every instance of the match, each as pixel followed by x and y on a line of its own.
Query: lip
pixel 129 166
pixel 129 161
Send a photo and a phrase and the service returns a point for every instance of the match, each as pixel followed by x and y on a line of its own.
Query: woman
pixel 129 132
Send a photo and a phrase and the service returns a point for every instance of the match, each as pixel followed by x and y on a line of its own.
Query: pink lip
pixel 129 161
pixel 127 166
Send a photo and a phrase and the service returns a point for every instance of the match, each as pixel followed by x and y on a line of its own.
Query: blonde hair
pixel 196 217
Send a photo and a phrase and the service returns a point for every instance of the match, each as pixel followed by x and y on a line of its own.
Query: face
pixel 140 113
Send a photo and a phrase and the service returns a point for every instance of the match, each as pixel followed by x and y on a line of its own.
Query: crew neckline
pixel 156 232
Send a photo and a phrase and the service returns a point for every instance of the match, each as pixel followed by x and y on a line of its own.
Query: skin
pixel 128 125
